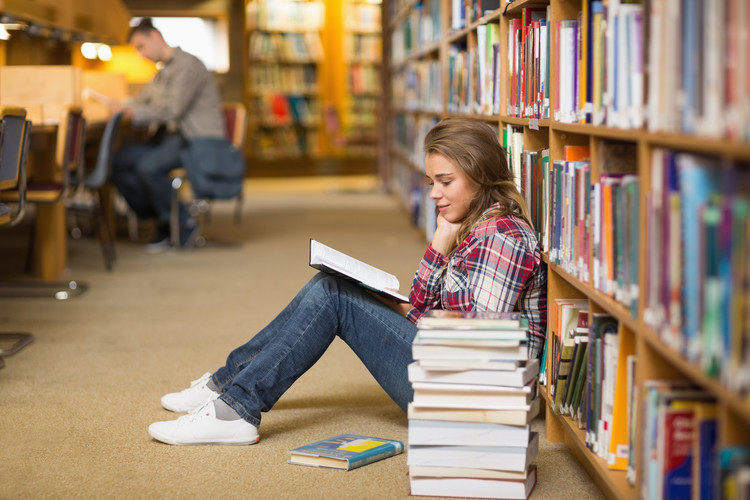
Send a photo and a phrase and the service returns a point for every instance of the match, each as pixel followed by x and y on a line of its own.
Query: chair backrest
pixel 12 137
pixel 235 116
pixel 70 140
pixel 100 173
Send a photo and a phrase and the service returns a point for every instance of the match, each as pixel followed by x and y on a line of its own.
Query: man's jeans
pixel 259 372
pixel 140 172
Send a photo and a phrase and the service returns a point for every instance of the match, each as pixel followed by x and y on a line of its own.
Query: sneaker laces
pixel 196 414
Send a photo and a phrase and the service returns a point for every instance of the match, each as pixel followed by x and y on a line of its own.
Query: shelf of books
pixel 285 52
pixel 627 126
pixel 363 57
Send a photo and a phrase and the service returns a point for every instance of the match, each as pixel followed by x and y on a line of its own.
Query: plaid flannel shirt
pixel 498 267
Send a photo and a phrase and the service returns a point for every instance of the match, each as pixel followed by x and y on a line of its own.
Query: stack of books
pixel 475 394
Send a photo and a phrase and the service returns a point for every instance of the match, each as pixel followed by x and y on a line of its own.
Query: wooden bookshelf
pixel 285 79
pixel 362 47
pixel 412 55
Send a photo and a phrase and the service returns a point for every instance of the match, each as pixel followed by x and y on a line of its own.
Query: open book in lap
pixel 326 259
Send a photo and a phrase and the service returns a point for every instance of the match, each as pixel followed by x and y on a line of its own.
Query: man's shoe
pixel 160 243
pixel 202 427
pixel 191 398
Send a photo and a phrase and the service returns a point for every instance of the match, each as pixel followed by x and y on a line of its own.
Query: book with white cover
pixel 510 458
pixel 522 416
pixel 435 351
pixel 473 333
pixel 439 318
pixel 518 377
pixel 329 260
pixel 440 395
pixel 434 432
pixel 469 364
pixel 473 487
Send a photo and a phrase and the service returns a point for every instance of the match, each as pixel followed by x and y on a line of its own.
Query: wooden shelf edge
pixel 613 483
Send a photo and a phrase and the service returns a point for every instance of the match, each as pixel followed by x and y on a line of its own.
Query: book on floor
pixel 522 416
pixel 473 487
pixel 329 260
pixel 345 451
pixel 518 377
pixel 509 458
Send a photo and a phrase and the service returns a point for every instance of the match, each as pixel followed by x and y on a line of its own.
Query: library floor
pixel 77 402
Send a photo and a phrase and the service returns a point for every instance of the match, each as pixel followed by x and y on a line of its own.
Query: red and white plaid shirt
pixel 498 267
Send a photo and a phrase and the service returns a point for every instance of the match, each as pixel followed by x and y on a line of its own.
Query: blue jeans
pixel 140 172
pixel 259 372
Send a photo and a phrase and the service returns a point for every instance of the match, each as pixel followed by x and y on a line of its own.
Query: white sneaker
pixel 202 427
pixel 191 398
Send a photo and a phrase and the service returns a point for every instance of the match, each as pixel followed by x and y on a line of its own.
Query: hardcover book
pixel 510 417
pixel 443 433
pixel 437 318
pixel 439 395
pixel 482 487
pixel 345 451
pixel 509 458
pixel 518 377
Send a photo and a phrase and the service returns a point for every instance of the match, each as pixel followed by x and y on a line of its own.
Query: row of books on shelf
pixel 599 63
pixel 418 86
pixel 363 79
pixel 528 65
pixel 420 29
pixel 682 455
pixel 475 394
pixel 530 170
pixel 285 15
pixel 594 223
pixel 362 112
pixel 591 381
pixel 286 47
pixel 363 48
pixel 588 382
pixel 699 68
pixel 298 79
pixel 275 110
pixel 285 142
pixel 409 132
pixel 696 56
pixel 697 274
pixel 364 17
pixel 463 13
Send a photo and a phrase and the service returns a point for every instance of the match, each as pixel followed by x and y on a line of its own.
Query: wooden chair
pixel 52 186
pixel 14 143
pixel 68 156
pixel 14 155
pixel 235 115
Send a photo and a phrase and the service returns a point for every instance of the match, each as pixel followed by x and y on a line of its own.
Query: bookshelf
pixel 687 119
pixel 285 53
pixel 362 46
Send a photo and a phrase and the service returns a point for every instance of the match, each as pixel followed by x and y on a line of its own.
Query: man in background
pixel 180 104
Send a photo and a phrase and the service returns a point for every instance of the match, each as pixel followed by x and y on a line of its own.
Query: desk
pixel 51 233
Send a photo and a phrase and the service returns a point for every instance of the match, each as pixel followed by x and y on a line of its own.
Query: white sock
pixel 224 411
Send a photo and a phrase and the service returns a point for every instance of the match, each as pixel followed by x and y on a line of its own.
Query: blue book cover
pixel 345 451
pixel 698 179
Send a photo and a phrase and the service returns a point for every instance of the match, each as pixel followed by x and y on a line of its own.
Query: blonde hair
pixel 473 147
